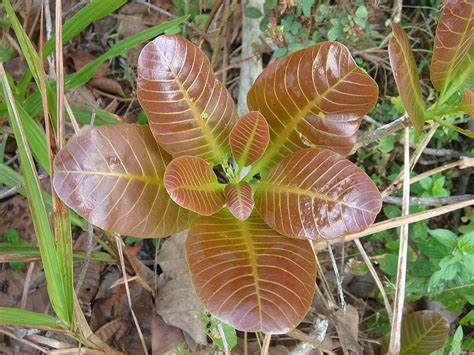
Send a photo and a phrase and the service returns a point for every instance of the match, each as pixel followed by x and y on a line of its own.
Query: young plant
pixel 252 192
pixel 451 70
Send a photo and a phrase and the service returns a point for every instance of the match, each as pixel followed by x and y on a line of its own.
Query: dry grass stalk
pixel 395 185
pixel 397 222
pixel 266 344
pixel 373 272
pixel 396 320
pixel 7 332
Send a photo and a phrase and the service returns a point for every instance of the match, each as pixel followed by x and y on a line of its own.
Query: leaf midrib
pixel 215 147
pixel 282 136
pixel 244 155
pixel 253 264
pixel 275 188
pixel 418 340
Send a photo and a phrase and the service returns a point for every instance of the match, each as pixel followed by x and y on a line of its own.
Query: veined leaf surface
pixel 315 96
pixel 249 138
pixel 248 275
pixel 316 193
pixel 423 332
pixel 405 72
pixel 189 110
pixel 468 99
pixel 453 48
pixel 113 177
pixel 239 199
pixel 192 184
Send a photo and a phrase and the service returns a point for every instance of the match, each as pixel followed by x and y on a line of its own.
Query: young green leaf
pixel 453 48
pixel 249 138
pixel 189 110
pixel 192 184
pixel 248 275
pixel 113 177
pixel 316 96
pixel 239 200
pixel 405 72
pixel 315 193
pixel 423 332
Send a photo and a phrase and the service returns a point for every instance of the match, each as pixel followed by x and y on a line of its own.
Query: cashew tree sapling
pixel 252 191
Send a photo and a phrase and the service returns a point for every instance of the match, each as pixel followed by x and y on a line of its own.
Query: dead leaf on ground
pixel 176 300
pixel 114 330
pixel 164 336
pixel 82 58
pixel 81 95
pixel 112 303
pixel 347 326
pixel 108 85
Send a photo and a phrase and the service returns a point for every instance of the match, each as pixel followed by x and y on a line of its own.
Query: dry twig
pixel 429 201
pixel 382 131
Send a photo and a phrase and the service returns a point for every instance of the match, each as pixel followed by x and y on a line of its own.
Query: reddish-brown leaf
pixel 239 199
pixel 316 193
pixel 189 110
pixel 316 96
pixel 468 99
pixel 405 72
pixel 248 275
pixel 113 177
pixel 192 184
pixel 453 52
pixel 249 138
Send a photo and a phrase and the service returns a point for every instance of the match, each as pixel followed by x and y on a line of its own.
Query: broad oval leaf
pixel 453 48
pixel 239 199
pixel 113 177
pixel 316 193
pixel 315 96
pixel 249 138
pixel 423 332
pixel 192 184
pixel 468 100
pixel 189 110
pixel 248 275
pixel 405 72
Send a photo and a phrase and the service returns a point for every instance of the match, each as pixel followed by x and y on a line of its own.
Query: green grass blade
pixel 30 54
pixel 25 253
pixel 87 72
pixel 27 47
pixel 36 138
pixel 83 115
pixel 37 207
pixel 93 11
pixel 90 13
pixel 23 318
